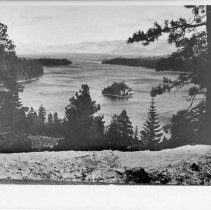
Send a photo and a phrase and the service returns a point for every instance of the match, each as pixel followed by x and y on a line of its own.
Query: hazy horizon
pixel 39 27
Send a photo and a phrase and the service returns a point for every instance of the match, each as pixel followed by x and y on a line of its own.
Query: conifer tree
pixel 56 120
pixel 125 126
pixel 50 120
pixel 42 114
pixel 151 134
pixel 83 129
pixel 192 37
pixel 112 133
pixel 31 119
pixel 136 133
pixel 11 110
pixel 119 133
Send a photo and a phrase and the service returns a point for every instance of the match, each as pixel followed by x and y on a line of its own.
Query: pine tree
pixel 83 129
pixel 50 120
pixel 56 120
pixel 32 121
pixel 125 126
pixel 57 126
pixel 136 133
pixel 112 133
pixel 192 37
pixel 42 114
pixel 31 116
pixel 12 113
pixel 151 133
pixel 119 133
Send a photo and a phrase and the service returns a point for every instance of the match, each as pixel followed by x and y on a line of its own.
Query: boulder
pixel 194 167
pixel 137 175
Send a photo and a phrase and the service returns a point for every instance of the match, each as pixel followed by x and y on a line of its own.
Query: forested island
pixel 53 61
pixel 160 63
pixel 118 89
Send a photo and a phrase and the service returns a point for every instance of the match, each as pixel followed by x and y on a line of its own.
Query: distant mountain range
pixel 106 47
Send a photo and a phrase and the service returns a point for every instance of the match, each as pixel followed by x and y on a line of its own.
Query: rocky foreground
pixel 187 165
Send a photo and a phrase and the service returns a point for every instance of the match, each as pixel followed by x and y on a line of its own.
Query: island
pixel 53 61
pixel 118 90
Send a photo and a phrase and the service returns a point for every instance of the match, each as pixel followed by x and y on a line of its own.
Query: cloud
pixel 35 19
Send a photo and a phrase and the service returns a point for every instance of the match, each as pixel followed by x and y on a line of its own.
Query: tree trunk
pixel 208 77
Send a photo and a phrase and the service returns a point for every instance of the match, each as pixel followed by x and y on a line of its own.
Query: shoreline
pixel 116 96
pixel 29 80
pixel 26 80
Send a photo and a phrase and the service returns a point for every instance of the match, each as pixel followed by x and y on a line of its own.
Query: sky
pixel 39 26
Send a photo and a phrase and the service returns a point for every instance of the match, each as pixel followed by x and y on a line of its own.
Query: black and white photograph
pixel 105 94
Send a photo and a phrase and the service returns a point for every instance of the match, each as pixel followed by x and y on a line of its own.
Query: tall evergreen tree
pixel 119 133
pixel 42 114
pixel 11 110
pixel 31 114
pixel 112 133
pixel 151 133
pixel 32 121
pixel 125 127
pixel 50 120
pixel 193 41
pixel 81 107
pixel 136 133
pixel 83 128
pixel 12 113
pixel 56 120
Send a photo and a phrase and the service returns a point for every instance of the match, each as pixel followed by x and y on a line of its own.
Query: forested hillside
pixel 165 63
pixel 28 68
pixel 149 62
pixel 25 68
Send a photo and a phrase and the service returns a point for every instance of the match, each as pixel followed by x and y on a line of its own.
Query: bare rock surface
pixel 187 165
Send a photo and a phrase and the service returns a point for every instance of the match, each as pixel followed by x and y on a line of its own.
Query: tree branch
pixel 187 25
pixel 192 99
pixel 154 33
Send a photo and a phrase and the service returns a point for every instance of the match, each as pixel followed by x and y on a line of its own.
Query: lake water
pixel 58 84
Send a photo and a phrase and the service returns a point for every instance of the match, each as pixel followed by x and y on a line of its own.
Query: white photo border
pixel 104 196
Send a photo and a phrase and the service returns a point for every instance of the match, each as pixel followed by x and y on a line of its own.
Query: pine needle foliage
pixel 151 134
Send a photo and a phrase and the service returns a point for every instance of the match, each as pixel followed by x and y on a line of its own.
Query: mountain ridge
pixel 106 47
